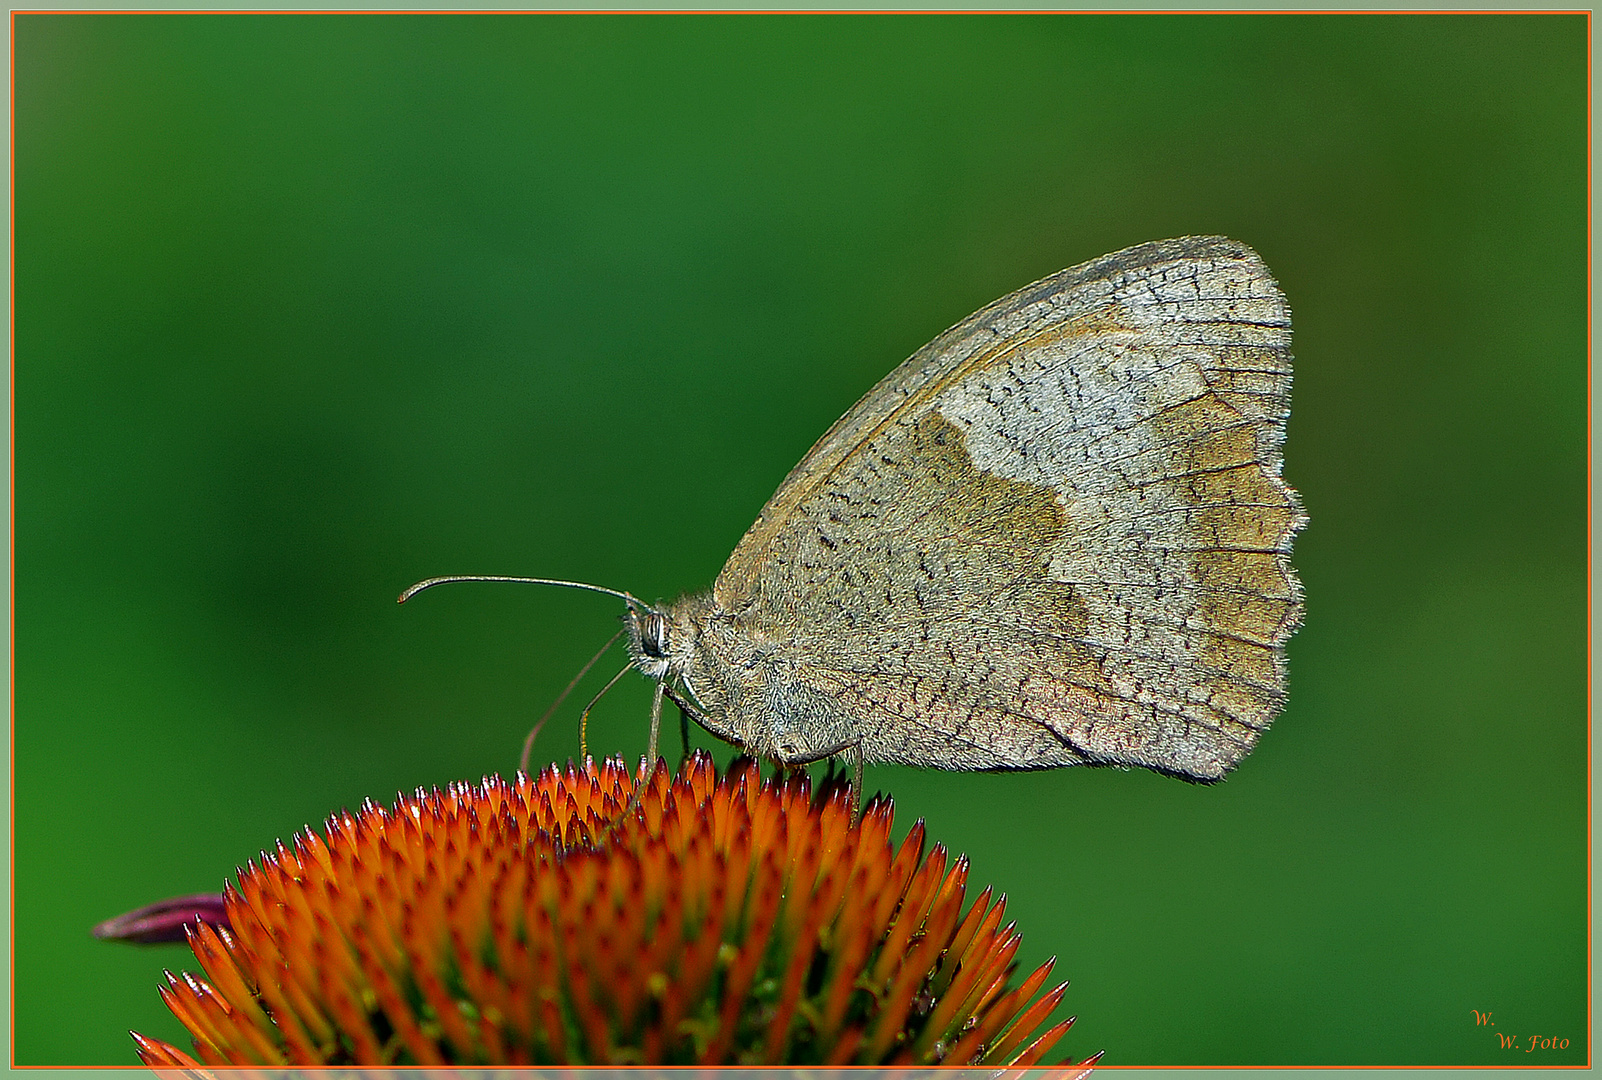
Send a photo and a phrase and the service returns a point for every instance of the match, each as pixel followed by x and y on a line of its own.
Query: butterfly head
pixel 671 643
pixel 661 639
pixel 648 640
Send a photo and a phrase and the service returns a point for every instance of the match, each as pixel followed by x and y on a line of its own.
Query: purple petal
pixel 165 920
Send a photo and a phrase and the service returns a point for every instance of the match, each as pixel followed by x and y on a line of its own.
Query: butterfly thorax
pixel 745 689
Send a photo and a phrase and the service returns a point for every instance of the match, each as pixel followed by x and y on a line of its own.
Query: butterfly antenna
pixel 528 743
pixel 431 582
pixel 584 717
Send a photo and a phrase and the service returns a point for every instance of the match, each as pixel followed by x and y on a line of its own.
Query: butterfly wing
pixel 1056 534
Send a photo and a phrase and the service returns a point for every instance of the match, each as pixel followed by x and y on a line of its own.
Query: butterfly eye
pixel 654 635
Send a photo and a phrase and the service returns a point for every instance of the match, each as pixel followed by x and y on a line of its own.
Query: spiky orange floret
pixel 591 916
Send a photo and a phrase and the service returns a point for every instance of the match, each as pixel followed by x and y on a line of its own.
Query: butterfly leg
pixel 656 726
pixel 851 751
pixel 711 725
pixel 854 753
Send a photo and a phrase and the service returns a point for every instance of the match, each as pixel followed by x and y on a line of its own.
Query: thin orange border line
pixel 12 553
pixel 1585 12
pixel 1590 508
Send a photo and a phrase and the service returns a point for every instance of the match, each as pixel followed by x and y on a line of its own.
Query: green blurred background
pixel 309 307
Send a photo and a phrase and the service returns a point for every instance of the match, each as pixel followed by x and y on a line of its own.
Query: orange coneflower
pixel 588 916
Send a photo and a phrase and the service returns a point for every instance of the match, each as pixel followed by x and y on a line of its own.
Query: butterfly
pixel 1056 535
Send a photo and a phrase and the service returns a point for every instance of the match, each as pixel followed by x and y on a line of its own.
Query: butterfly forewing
pixel 1057 534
